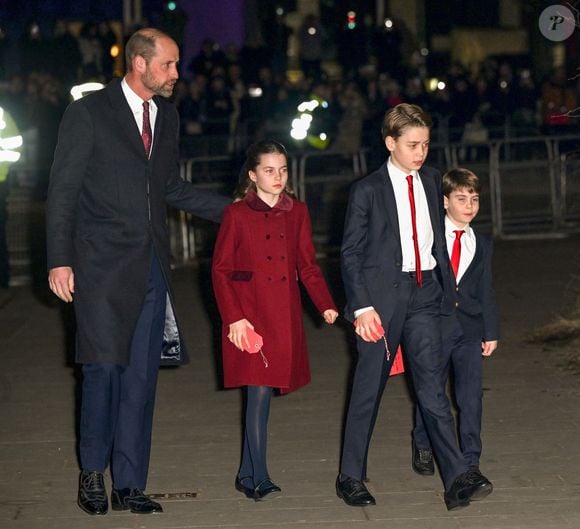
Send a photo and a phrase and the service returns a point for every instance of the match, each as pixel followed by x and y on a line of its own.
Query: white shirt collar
pixel 135 102
pixel 397 174
pixel 450 228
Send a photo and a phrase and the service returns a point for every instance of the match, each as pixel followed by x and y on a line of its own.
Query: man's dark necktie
pixel 146 133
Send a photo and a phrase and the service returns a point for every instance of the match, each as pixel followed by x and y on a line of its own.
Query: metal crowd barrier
pixel 531 189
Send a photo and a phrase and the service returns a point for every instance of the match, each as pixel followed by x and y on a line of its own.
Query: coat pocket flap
pixel 241 275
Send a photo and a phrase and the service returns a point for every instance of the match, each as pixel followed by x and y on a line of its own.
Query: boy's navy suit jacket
pixel 472 301
pixel 371 255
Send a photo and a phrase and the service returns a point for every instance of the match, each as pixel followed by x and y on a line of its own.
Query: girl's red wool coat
pixel 260 255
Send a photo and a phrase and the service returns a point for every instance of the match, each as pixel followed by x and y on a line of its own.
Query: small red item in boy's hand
pixel 255 340
pixel 380 332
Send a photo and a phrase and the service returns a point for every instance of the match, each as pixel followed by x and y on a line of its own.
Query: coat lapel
pixel 159 124
pixel 125 117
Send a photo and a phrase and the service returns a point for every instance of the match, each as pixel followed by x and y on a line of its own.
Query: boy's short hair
pixel 460 178
pixel 402 116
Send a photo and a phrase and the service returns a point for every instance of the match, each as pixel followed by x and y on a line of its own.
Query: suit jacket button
pixel 396 284
pixel 269 258
pixel 268 236
pixel 397 264
pixel 283 278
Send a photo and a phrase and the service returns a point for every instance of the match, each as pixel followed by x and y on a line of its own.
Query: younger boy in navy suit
pixel 469 318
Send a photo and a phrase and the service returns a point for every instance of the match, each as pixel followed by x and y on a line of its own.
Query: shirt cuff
pixel 358 312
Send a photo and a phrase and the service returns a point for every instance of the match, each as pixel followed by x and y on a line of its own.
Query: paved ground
pixel 531 423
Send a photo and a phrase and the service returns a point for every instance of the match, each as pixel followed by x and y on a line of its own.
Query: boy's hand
pixel 487 348
pixel 330 316
pixel 367 326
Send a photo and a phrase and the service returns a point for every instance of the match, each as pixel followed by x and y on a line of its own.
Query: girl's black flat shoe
pixel 265 489
pixel 242 488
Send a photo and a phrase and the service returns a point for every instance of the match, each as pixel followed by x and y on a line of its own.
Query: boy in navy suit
pixel 392 250
pixel 469 318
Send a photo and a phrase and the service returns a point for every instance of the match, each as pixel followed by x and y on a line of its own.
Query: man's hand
pixel 62 282
pixel 367 326
pixel 487 348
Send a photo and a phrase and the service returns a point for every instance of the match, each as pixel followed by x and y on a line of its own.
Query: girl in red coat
pixel 263 248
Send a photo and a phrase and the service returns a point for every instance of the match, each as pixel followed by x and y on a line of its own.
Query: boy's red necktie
pixel 456 251
pixel 415 238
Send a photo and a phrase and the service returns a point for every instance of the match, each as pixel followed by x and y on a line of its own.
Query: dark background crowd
pixel 235 94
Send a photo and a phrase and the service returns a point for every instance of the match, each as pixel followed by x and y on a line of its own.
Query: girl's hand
pixel 330 316
pixel 238 333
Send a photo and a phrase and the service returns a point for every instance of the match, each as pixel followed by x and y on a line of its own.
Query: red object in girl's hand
pixel 255 340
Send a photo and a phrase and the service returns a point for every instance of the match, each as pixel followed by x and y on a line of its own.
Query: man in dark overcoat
pixel 115 171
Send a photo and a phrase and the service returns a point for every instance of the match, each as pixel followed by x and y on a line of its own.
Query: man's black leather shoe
pixel 468 486
pixel 239 484
pixel 265 489
pixel 92 496
pixel 135 500
pixel 353 492
pixel 483 487
pixel 422 460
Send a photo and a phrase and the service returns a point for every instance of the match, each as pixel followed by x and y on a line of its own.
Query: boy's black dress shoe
pixel 469 486
pixel 92 496
pixel 265 489
pixel 134 499
pixel 239 484
pixel 422 461
pixel 353 492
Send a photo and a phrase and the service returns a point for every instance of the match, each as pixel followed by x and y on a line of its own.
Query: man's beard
pixel 164 90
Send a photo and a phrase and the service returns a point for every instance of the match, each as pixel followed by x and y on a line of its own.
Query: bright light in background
pixel 279 11
pixel 114 51
pixel 312 30
pixel 82 90
pixel 351 19
pixel 435 84
pixel 388 23
pixel 308 106
pixel 424 52
pixel 255 91
pixel 172 6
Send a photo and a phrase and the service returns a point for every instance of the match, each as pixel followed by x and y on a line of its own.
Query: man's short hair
pixel 142 43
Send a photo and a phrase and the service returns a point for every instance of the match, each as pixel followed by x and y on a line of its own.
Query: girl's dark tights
pixel 253 468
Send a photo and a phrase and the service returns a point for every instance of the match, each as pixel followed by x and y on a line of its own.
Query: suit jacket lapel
pixel 159 123
pixel 477 257
pixel 434 202
pixel 390 201
pixel 124 116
